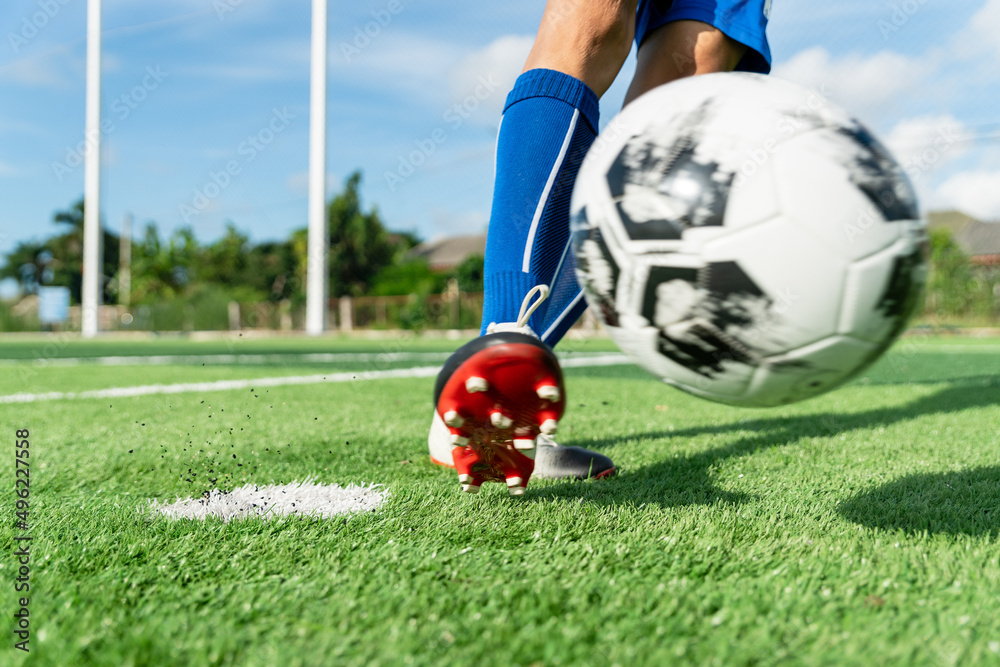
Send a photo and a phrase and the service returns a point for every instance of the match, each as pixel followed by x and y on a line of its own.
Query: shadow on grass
pixel 955 396
pixel 966 502
pixel 687 480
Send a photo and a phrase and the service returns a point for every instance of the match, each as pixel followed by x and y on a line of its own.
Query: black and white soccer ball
pixel 746 240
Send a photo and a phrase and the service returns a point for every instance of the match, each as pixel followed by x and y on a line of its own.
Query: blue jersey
pixel 742 20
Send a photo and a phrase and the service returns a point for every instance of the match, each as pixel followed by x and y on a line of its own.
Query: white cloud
pixel 979 36
pixel 110 63
pixel 924 144
pixel 22 126
pixel 868 87
pixel 47 70
pixel 396 62
pixel 483 78
pixel 244 72
pixel 974 192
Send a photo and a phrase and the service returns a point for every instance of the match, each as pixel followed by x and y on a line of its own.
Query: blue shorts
pixel 742 20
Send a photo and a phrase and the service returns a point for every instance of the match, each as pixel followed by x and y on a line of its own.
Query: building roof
pixel 974 237
pixel 447 253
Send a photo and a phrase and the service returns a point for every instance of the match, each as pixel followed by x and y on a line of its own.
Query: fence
pixel 971 301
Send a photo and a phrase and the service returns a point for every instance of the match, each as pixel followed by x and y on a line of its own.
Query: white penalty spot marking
pixel 306 499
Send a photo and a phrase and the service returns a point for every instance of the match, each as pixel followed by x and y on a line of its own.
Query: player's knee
pixel 610 29
pixel 587 39
pixel 616 41
pixel 715 52
pixel 681 49
pixel 589 30
pixel 697 48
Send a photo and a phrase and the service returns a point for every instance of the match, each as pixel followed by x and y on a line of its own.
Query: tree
pixel 469 274
pixel 271 270
pixel 360 246
pixel 950 285
pixel 162 270
pixel 413 276
pixel 58 261
pixel 225 261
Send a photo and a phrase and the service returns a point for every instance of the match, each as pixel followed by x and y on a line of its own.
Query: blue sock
pixel 549 122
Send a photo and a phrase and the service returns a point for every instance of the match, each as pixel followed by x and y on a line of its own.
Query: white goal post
pixel 316 262
pixel 91 288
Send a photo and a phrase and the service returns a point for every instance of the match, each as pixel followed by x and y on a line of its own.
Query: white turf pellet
pixel 305 498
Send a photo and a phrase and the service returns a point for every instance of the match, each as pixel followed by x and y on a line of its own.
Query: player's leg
pixel 549 121
pixel 680 49
pixel 690 37
pixel 676 38
pixel 587 40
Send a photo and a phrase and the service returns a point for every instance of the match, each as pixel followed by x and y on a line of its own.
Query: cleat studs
pixel 549 392
pixel 459 441
pixel 452 418
pixel 500 421
pixel 470 488
pixel 549 426
pixel 523 443
pixel 474 384
pixel 515 486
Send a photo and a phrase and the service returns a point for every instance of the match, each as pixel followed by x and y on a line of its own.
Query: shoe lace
pixel 527 308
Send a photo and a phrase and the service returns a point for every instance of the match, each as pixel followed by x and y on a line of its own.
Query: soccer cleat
pixel 476 384
pixel 515 486
pixel 499 420
pixel 549 392
pixel 500 388
pixel 452 418
pixel 497 398
pixel 552 460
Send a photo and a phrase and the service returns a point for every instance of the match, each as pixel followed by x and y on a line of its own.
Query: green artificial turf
pixel 861 527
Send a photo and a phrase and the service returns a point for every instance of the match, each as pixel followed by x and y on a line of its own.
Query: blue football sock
pixel 549 122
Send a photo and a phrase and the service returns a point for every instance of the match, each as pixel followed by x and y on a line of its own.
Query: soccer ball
pixel 745 240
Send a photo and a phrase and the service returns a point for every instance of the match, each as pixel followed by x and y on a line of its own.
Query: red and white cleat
pixel 496 394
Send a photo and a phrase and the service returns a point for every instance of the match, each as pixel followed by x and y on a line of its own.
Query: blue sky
pixel 193 86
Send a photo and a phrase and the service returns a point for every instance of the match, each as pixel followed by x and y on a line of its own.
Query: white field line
pixel 900 348
pixel 361 357
pixel 224 385
pixel 166 359
pixel 242 359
